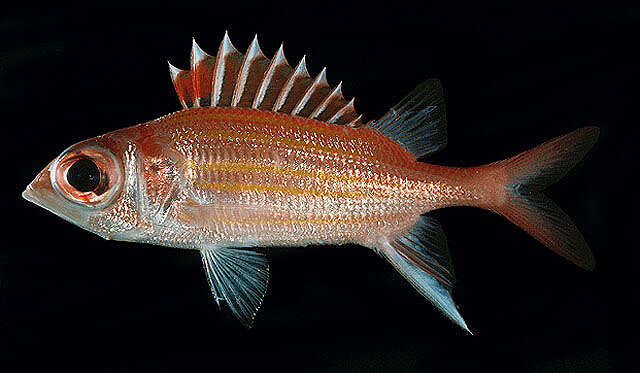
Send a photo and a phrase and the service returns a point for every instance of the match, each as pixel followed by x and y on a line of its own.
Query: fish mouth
pixel 41 193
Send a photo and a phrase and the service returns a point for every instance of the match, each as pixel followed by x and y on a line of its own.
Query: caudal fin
pixel 528 174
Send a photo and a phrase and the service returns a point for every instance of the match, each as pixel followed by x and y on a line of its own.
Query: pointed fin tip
pixel 254 48
pixel 338 89
pixel 302 65
pixel 173 71
pixel 280 55
pixel 226 44
pixel 197 53
pixel 322 77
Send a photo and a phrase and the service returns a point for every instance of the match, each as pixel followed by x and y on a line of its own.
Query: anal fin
pixel 238 277
pixel 422 257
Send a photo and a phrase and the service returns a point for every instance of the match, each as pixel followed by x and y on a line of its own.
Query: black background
pixel 513 78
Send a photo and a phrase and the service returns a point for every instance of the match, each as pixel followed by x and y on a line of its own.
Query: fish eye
pixel 84 175
pixel 90 176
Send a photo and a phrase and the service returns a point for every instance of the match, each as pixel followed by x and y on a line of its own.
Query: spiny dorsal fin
pixel 228 61
pixel 202 70
pixel 251 74
pixel 294 88
pixel 252 80
pixel 274 79
pixel 183 84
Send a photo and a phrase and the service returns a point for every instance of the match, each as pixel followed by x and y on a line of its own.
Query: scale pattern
pixel 255 178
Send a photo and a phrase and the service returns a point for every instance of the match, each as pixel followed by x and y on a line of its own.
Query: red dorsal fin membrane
pixel 331 104
pixel 228 61
pixel 250 77
pixel 317 91
pixel 274 79
pixel 345 114
pixel 202 66
pixel 293 89
pixel 183 84
pixel 252 80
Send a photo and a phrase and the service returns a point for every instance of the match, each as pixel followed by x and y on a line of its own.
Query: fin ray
pixel 295 86
pixel 228 61
pixel 251 73
pixel 183 84
pixel 422 257
pixel 274 79
pixel 418 121
pixel 527 175
pixel 233 79
pixel 238 277
pixel 202 69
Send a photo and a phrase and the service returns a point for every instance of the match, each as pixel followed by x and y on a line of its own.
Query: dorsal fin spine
pixel 319 82
pixel 233 79
pixel 272 82
pixel 228 62
pixel 298 79
pixel 251 74
pixel 346 114
pixel 202 74
pixel 183 84
pixel 330 105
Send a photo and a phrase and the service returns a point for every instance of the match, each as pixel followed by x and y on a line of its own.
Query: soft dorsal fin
pixel 231 78
pixel 418 121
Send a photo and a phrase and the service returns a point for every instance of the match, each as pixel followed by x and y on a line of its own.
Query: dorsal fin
pixel 293 88
pixel 418 121
pixel 202 69
pixel 251 74
pixel 274 79
pixel 231 78
pixel 228 61
pixel 183 84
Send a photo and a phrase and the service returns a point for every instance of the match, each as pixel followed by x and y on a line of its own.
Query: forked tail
pixel 512 188
pixel 527 174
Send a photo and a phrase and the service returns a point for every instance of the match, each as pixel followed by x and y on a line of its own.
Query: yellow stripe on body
pixel 241 187
pixel 281 170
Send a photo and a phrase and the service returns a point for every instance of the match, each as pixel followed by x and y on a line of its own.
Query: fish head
pixel 92 184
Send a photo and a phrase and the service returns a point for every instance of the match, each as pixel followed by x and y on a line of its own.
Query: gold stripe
pixel 283 170
pixel 295 221
pixel 240 187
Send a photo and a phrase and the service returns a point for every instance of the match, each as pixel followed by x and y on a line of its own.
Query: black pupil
pixel 84 175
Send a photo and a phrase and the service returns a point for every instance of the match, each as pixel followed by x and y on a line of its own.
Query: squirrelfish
pixel 264 154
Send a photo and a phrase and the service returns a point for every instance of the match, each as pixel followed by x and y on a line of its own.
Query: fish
pixel 263 154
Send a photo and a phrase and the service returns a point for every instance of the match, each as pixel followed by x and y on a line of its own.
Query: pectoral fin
pixel 238 277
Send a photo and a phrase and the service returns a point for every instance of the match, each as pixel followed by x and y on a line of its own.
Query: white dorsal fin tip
pixel 197 54
pixel 173 71
pixel 352 103
pixel 322 77
pixel 254 49
pixel 302 66
pixel 226 46
pixel 280 55
pixel 338 90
